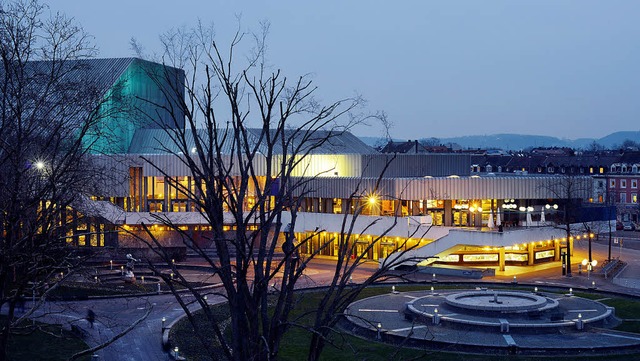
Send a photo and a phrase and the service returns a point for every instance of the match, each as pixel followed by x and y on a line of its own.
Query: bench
pixel 611 268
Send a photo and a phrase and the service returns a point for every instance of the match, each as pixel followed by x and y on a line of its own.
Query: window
pixel 550 170
pixel 623 197
pixel 634 183
pixel 634 198
pixel 590 170
pixel 601 170
pixel 624 169
pixel 634 169
pixel 612 183
pixel 623 183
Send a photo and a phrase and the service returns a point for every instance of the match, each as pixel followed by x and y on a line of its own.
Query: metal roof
pixel 163 141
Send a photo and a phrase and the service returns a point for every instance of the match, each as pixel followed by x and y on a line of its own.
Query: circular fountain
pixel 500 301
pixel 497 320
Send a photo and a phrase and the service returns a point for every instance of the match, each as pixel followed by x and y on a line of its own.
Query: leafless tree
pixel 571 190
pixel 249 136
pixel 46 112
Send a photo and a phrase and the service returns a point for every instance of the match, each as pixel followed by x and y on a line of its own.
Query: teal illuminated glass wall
pixel 146 95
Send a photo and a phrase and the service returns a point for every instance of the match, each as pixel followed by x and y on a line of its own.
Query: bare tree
pixel 249 137
pixel 46 112
pixel 571 190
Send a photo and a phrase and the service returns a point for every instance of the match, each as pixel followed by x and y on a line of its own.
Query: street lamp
pixel 567 256
pixel 473 210
pixel 590 266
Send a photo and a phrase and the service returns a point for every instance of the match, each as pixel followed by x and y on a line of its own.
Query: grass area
pixel 183 334
pixel 82 290
pixel 46 343
pixel 295 345
pixel 628 310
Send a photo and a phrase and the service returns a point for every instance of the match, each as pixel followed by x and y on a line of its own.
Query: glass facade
pixel 136 100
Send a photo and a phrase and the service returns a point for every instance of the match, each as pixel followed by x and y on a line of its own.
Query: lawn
pixel 348 347
pixel 47 343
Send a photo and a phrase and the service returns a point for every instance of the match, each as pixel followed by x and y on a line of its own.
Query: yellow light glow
pixel 372 200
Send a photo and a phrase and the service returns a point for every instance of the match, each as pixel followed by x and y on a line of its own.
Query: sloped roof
pixel 101 74
pixel 159 141
pixel 404 147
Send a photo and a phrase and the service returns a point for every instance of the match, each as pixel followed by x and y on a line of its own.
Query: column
pixel 448 213
pixel 345 206
pixel 530 248
pixel 327 207
pixel 571 245
pixel 556 247
pixel 501 260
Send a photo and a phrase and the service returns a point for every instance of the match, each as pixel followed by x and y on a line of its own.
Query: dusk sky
pixel 564 68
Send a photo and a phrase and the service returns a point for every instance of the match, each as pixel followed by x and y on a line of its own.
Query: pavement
pixel 143 342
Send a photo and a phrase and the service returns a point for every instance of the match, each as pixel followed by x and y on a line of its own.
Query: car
pixel 619 226
pixel 628 226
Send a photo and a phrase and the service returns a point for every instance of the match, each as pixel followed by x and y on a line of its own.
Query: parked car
pixel 628 226
pixel 619 226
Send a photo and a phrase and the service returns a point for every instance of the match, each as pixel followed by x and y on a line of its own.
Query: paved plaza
pixel 144 342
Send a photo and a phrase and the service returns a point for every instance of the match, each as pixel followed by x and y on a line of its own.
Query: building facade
pixel 437 202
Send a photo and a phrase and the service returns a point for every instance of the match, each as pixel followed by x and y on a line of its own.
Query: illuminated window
pixel 612 183
pixel 544 254
pixel 634 198
pixel 634 183
pixel 601 170
pixel 480 258
pixel 623 183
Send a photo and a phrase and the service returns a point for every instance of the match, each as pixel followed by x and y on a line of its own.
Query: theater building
pixel 429 200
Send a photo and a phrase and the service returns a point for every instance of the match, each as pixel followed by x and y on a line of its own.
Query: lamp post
pixel 566 256
pixel 473 210
pixel 590 267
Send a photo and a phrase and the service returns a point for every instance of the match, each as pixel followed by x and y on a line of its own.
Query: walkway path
pixel 144 341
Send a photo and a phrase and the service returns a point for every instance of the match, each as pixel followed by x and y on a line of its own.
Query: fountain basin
pixel 500 301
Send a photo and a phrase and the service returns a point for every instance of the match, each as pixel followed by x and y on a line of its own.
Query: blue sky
pixel 565 68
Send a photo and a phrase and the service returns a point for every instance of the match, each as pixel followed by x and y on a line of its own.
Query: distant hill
pixel 617 138
pixel 521 141
pixel 506 141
